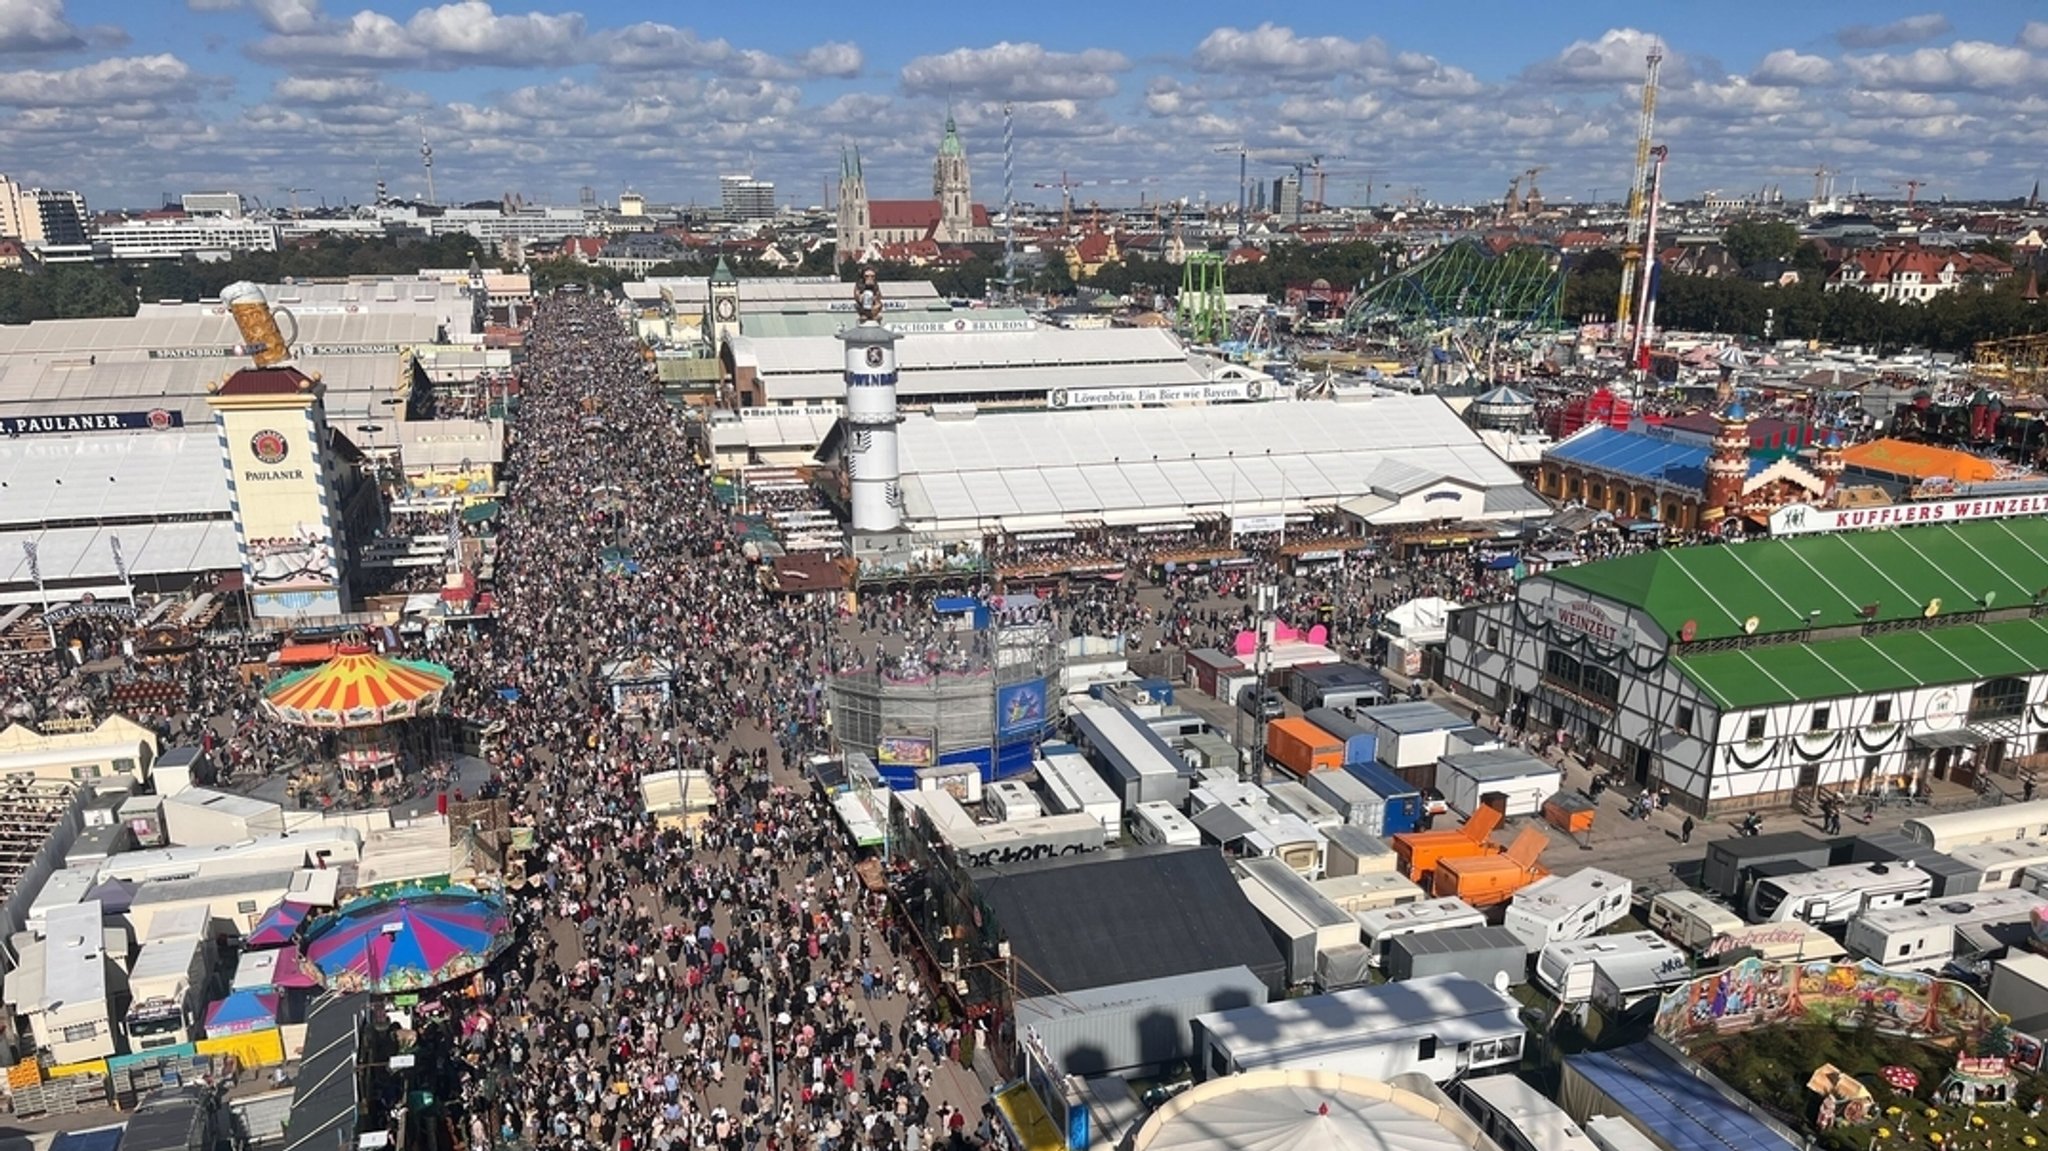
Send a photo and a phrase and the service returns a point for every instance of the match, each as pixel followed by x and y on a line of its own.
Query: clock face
pixel 874 357
pixel 725 308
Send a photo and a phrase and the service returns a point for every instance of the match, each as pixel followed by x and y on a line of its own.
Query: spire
pixel 722 274
pixel 949 144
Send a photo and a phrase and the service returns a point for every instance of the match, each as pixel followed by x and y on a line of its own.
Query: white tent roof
pixel 52 479
pixel 1283 1111
pixel 1118 463
pixel 139 335
pixel 32 387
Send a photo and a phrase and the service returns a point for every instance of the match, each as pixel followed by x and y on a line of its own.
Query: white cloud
pixel 1273 49
pixel 2035 35
pixel 1790 69
pixel 101 83
pixel 1911 30
pixel 650 46
pixel 1617 57
pixel 1966 65
pixel 1008 71
pixel 468 32
pixel 40 26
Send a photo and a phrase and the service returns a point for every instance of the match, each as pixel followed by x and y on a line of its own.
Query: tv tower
pixel 427 161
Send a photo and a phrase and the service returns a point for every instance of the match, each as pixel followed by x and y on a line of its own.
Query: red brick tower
pixel 1728 463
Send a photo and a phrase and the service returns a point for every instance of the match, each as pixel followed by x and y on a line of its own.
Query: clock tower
pixel 723 309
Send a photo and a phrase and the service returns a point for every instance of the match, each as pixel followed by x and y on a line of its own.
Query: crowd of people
pixel 722 987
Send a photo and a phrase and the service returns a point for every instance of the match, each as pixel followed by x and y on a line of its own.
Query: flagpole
pixel 35 571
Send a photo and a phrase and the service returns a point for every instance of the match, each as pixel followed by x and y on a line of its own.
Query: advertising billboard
pixel 906 751
pixel 1020 708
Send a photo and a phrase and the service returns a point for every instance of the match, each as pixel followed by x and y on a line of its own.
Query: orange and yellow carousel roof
pixel 358 688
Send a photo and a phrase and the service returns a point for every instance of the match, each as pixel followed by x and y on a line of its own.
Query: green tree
pixel 1754 241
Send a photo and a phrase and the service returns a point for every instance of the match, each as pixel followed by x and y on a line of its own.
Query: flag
pixel 120 563
pixel 35 566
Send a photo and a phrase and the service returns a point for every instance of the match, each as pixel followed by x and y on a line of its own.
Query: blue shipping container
pixel 1157 690
pixel 1360 745
pixel 1404 803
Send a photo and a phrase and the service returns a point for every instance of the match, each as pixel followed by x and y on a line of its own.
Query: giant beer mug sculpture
pixel 257 321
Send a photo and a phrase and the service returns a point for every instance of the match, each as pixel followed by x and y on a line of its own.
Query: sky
pixel 127 100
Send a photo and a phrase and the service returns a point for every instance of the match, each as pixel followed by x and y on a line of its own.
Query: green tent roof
pixel 1865 665
pixel 1781 581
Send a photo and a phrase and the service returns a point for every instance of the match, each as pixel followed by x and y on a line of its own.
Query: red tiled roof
pixel 266 382
pixel 899 214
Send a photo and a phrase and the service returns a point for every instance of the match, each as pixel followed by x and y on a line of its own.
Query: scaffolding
pixel 954 705
pixel 1204 318
pixel 1468 288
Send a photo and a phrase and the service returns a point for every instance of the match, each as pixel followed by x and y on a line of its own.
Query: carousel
pixel 360 696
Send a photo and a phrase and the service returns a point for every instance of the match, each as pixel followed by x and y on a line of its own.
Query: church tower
pixel 723 306
pixel 1829 464
pixel 952 189
pixel 852 235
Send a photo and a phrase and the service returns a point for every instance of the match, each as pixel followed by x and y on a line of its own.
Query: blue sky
pixel 128 100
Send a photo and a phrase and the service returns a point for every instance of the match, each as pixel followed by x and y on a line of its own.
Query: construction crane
pixel 1067 187
pixel 1632 247
pixel 1532 200
pixel 1912 188
pixel 296 215
pixel 1646 315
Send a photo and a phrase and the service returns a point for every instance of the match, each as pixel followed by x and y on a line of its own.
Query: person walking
pixel 1685 830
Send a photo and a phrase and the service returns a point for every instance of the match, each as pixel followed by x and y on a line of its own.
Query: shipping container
pixel 1355 803
pixel 1377 928
pixel 1335 685
pixel 1301 747
pixel 1561 907
pixel 1208 751
pixel 1728 859
pixel 1297 799
pixel 1070 786
pixel 1160 824
pixel 1355 851
pixel 2019 986
pixel 1950 875
pixel 1418 852
pixel 1207 664
pixel 1359 744
pixel 1492 879
pixel 1401 802
pixel 1133 1028
pixel 1302 922
pixel 1490 955
pixel 1521 779
pixel 1411 735
pixel 1132 758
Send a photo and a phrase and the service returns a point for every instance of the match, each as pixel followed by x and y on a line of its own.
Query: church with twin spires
pixel 891 229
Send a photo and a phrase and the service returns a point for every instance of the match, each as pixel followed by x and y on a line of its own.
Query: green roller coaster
pixel 1466 286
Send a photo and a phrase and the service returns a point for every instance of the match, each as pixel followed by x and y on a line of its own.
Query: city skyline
pixel 126 102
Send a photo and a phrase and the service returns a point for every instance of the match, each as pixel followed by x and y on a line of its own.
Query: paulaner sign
pixel 157 420
pixel 1805 519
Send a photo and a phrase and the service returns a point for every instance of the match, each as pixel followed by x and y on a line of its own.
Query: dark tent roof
pixel 101 1139
pixel 1113 917
pixel 324 1100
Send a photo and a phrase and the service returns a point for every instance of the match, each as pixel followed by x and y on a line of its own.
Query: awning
pixel 1935 740
pixel 1366 507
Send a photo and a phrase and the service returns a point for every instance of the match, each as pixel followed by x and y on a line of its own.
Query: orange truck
pixel 1490 880
pixel 1302 747
pixel 1417 853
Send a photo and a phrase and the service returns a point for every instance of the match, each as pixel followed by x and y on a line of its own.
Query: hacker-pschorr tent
pixel 1386 461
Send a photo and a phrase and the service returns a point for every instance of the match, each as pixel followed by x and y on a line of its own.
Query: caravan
pixel 1071 785
pixel 1160 824
pixel 1561 907
pixel 1690 919
pixel 1566 969
pixel 1926 936
pixel 2001 864
pixel 1377 927
pixel 1836 894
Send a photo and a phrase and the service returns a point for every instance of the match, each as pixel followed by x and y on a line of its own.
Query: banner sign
pixel 1162 394
pixel 1805 519
pixel 154 420
pixel 217 353
pixel 1020 708
pixel 905 751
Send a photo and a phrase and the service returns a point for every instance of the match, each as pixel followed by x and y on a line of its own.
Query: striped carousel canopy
pixel 358 688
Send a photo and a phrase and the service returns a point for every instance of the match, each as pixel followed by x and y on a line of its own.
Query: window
pixel 1819 722
pixel 1561 666
pixel 1425 1048
pixel 88 771
pixel 1493 638
pixel 1998 699
pixel 1684 720
pixel 246 907
pixel 1881 711
pixel 1756 728
pixel 80 1032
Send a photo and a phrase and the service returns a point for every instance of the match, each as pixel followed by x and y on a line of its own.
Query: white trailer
pixel 2019 988
pixel 1360 805
pixel 1410 735
pixel 1159 823
pixel 1925 936
pixel 2002 863
pixel 1441 1026
pixel 1561 907
pixel 1369 890
pixel 1690 919
pixel 168 991
pixel 1566 969
pixel 1292 797
pixel 1009 800
pixel 1441 914
pixel 1832 895
pixel 1071 786
pixel 1522 779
